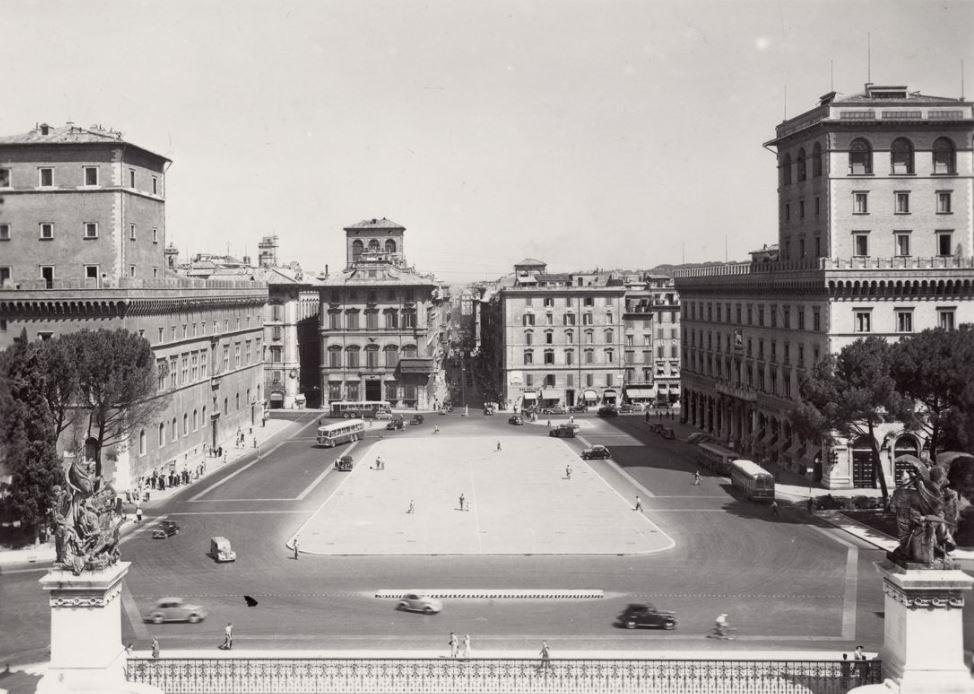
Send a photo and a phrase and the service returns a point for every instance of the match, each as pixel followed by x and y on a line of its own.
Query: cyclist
pixel 722 626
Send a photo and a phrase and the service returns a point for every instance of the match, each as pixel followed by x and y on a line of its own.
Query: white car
pixel 383 415
pixel 415 602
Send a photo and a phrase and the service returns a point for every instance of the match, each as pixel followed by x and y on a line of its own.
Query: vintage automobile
pixel 515 419
pixel 221 551
pixel 700 437
pixel 645 615
pixel 415 602
pixel 344 464
pixel 175 610
pixel 596 453
pixel 578 408
pixel 397 422
pixel 383 414
pixel 416 419
pixel 563 431
pixel 625 409
pixel 554 409
pixel 165 529
pixel 608 411
pixel 667 433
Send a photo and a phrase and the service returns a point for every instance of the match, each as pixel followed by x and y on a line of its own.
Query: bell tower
pixel 374 240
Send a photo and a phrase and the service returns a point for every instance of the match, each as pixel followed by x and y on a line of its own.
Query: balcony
pixel 740 392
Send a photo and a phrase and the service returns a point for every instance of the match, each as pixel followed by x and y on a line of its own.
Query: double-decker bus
pixel 716 458
pixel 752 479
pixel 361 408
pixel 340 432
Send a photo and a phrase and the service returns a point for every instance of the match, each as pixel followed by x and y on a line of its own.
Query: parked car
pixel 344 464
pixel 554 409
pixel 625 409
pixel 667 433
pixel 563 431
pixel 416 419
pixel 383 414
pixel 397 422
pixel 596 453
pixel 638 407
pixel 414 602
pixel 608 411
pixel 700 437
pixel 175 610
pixel 646 615
pixel 165 529
pixel 578 408
pixel 515 419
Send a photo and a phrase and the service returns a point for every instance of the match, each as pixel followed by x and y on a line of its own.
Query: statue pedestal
pixel 86 632
pixel 923 647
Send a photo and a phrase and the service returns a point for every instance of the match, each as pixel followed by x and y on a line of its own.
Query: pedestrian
pixel 454 645
pixel 545 656
pixel 412 507
pixel 859 655
pixel 436 429
pixel 227 637
pixel 774 508
pixel 466 646
pixel 568 472
pixel 128 650
pixel 549 423
pixel 255 442
pixel 639 504
pixel 696 478
pixel 810 504
pixel 138 513
pixel 295 547
pixel 155 648
pixel 498 445
pixel 462 499
pixel 571 419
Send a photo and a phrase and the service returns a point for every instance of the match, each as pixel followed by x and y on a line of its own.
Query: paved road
pixel 786 583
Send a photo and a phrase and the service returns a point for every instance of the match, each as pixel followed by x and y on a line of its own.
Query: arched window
pixel 569 336
pixel 357 248
pixel 860 157
pixel 528 337
pixel 392 356
pixel 944 158
pixel 173 430
pixel 901 156
pixel 390 246
pixel 374 245
pixel 185 424
pixel 162 434
pixel 142 442
pixel 204 414
pixel 786 170
pixel 236 401
pixel 608 336
pixel 409 351
pixel 196 420
pixel 817 160
pixel 802 172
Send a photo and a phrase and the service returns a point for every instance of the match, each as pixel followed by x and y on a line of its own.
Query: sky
pixel 586 134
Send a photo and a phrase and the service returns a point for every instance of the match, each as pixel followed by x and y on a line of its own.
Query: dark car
pixel 165 529
pixel 608 411
pixel 667 433
pixel 645 615
pixel 700 437
pixel 625 409
pixel 596 453
pixel 344 464
pixel 578 408
pixel 416 419
pixel 515 419
pixel 554 409
pixel 563 431
pixel 397 422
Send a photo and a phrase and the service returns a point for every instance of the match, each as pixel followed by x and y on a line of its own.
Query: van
pixel 220 550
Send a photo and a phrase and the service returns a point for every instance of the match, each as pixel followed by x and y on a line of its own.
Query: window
pixel 351 320
pixel 568 319
pixel 787 212
pixel 862 320
pixel 548 301
pixel 131 271
pixel 4 178
pixel 860 202
pixel 943 202
pixel 91 230
pixel 334 320
pixel 588 301
pixel 901 156
pixel 335 357
pixel 371 320
pixel 528 356
pixel 801 209
pixel 409 319
pixel 372 357
pixel 944 158
pixel 608 336
pixel 162 434
pixel 589 356
pixel 155 185
pixel 860 243
pixel 802 173
pixel 945 318
pixel 786 170
pixel 527 319
pixel 817 160
pixel 155 236
pixel 131 178
pixel 549 338
pixel 904 321
pixel 549 356
pixel 185 424
pixel 902 203
pixel 352 358
pixel 173 430
pixel 391 357
pixel 816 319
pixel 902 243
pixel 276 354
pixel 528 337
pixel 569 357
pixel 529 380
pixel 818 205
pixel 91 175
pixel 4 232
pixel 45 177
pixel 47 231
pixel 392 319
pixel 944 246
pixel 860 158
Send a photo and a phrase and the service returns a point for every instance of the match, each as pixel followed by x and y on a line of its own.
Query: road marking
pixel 231 513
pixel 476 513
pixel 629 478
pixel 681 637
pixel 247 466
pixel 226 501
pixel 322 504
pixel 319 478
pixel 132 611
pixel 850 583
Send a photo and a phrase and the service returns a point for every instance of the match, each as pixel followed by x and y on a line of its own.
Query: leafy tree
pixel 60 363
pixel 936 369
pixel 852 393
pixel 27 440
pixel 116 386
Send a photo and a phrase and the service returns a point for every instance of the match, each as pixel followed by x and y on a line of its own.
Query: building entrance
pixel 373 390
pixel 863 468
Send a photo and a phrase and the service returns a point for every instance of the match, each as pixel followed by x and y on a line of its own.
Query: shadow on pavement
pixel 18 682
pixel 793 514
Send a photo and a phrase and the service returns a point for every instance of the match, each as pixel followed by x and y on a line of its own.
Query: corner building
pixel 376 321
pixel 82 239
pixel 875 238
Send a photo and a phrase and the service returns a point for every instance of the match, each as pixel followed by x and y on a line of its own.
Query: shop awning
pixel 590 395
pixel 608 391
pixel 639 392
pixel 277 396
pixel 530 396
pixel 550 394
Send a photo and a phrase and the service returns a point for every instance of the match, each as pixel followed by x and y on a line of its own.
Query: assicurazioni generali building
pixel 875 238
pixel 82 239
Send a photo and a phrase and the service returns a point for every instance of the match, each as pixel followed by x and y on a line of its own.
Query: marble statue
pixel 926 515
pixel 86 521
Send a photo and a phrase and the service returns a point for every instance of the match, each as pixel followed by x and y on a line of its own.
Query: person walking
pixel 295 547
pixel 568 472
pixel 138 513
pixel 774 508
pixel 454 645
pixel 696 478
pixel 155 648
pixel 227 637
pixel 639 504
pixel 462 500
pixel 412 507
pixel 545 657
pixel 466 646
pixel 498 445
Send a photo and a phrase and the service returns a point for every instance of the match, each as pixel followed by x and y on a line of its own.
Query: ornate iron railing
pixel 499 675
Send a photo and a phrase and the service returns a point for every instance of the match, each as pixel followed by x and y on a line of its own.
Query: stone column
pixel 923 645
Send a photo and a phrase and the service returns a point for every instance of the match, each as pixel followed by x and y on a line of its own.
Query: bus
pixel 362 408
pixel 752 479
pixel 716 458
pixel 340 432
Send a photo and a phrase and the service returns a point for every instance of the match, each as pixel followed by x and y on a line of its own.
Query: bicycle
pixel 722 633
